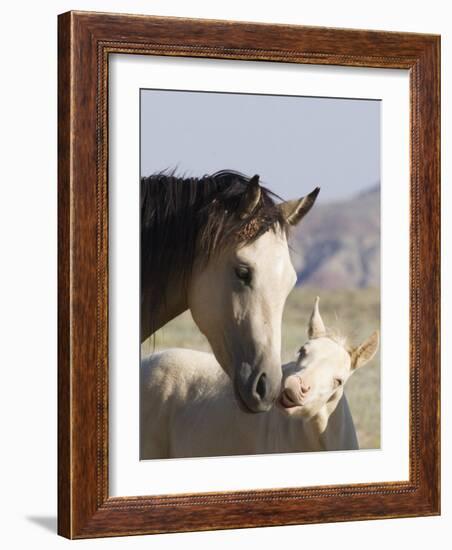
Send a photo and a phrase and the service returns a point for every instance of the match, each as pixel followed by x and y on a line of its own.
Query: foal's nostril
pixel 261 386
pixel 305 388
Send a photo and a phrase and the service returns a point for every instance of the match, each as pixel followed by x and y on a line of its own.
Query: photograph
pixel 259 274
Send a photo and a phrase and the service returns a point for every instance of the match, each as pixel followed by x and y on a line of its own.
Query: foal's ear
pixel 293 211
pixel 250 198
pixel 366 351
pixel 316 328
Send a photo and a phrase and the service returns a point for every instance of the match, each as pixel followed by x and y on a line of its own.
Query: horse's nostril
pixel 261 386
pixel 305 388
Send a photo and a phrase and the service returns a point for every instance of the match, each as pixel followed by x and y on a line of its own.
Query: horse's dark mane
pixel 183 218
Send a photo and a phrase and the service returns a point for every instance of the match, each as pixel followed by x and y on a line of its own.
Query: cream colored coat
pixel 188 407
pixel 191 411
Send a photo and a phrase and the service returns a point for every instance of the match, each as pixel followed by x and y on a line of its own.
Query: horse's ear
pixel 316 327
pixel 294 210
pixel 250 198
pixel 366 351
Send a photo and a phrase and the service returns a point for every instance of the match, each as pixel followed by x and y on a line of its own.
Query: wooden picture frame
pixel 85 42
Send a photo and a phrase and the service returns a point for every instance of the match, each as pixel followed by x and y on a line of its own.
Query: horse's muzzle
pixel 256 390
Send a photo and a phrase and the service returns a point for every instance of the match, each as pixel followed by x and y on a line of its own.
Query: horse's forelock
pixel 223 228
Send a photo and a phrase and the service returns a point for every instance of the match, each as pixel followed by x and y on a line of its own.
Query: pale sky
pixel 293 143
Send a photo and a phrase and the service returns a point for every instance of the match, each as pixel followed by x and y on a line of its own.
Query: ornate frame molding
pixel 85 42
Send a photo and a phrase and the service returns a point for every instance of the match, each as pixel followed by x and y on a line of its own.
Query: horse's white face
pixel 323 368
pixel 237 301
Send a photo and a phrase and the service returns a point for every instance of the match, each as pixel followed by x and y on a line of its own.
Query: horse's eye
pixel 338 382
pixel 243 273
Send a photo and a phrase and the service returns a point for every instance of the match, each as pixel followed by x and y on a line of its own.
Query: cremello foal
pixel 188 408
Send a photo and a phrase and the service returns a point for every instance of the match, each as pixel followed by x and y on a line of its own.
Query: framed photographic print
pixel 248 275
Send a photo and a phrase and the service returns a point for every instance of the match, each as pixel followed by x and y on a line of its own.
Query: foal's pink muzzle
pixel 294 392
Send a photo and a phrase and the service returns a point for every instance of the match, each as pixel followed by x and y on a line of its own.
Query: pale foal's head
pixel 324 365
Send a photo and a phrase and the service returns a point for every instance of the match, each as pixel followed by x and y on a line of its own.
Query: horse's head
pixel 324 365
pixel 237 297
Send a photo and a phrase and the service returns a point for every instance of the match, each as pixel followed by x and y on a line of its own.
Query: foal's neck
pixel 330 413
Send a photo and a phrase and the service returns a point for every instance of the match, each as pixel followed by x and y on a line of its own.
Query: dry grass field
pixel 353 313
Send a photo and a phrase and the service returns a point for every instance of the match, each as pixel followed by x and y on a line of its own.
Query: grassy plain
pixel 354 314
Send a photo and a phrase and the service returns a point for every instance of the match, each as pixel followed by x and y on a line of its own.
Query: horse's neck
pixel 333 425
pixel 155 312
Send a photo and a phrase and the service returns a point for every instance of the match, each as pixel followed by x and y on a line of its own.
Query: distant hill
pixel 338 244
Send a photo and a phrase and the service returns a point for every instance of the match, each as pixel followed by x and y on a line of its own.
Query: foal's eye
pixel 338 382
pixel 243 273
